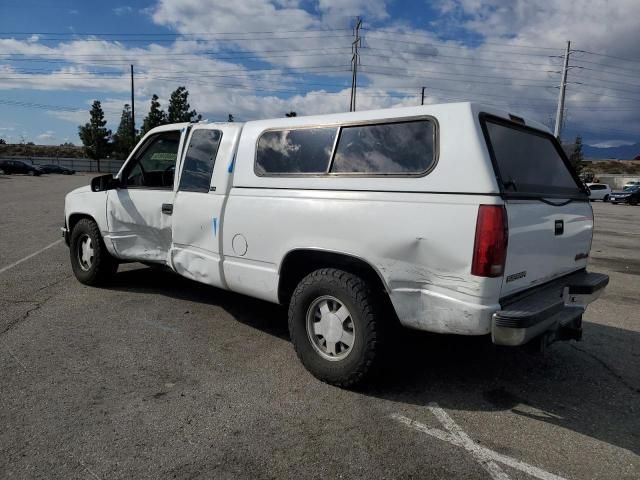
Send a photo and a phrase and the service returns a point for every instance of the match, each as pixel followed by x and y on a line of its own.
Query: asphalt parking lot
pixel 159 377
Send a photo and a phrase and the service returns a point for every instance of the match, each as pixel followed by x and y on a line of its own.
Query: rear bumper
pixel 545 309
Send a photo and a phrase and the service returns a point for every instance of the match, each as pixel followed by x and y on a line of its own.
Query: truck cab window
pixel 154 166
pixel 199 161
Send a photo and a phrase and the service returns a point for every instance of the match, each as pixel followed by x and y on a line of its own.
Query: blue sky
pixel 262 58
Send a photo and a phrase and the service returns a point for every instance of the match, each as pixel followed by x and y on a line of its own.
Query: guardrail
pixel 77 164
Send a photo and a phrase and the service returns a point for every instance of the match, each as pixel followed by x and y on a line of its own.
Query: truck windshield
pixel 528 162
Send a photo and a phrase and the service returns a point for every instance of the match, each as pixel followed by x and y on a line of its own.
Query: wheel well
pixel 74 218
pixel 297 264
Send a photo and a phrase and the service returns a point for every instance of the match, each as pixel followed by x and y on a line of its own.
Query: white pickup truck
pixel 454 218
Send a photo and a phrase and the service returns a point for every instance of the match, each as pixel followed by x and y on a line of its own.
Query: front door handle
pixel 167 208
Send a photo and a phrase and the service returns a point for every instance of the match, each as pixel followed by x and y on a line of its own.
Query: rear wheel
pixel 91 262
pixel 31 173
pixel 606 198
pixel 335 323
pixel 633 201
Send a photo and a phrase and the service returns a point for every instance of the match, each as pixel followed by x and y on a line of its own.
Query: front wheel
pixel 335 323
pixel 633 201
pixel 31 173
pixel 91 262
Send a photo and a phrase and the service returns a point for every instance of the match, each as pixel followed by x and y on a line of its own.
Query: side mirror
pixel 104 182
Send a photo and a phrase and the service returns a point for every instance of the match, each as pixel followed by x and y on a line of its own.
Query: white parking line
pixel 485 457
pixel 4 269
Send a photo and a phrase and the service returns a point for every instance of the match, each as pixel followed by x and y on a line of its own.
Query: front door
pixel 139 213
pixel 199 201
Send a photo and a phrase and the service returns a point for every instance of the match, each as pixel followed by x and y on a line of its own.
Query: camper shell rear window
pixel 529 163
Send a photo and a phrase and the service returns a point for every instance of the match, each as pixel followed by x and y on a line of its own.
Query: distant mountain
pixel 624 152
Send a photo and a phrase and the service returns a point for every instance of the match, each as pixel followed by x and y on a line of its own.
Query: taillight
pixel 490 249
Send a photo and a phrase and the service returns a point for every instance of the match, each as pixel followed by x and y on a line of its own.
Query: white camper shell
pixel 455 218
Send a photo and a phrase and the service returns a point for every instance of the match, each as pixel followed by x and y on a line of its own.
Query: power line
pixel 625 59
pixel 508 45
pixel 465 47
pixel 434 59
pixel 467 79
pixel 174 34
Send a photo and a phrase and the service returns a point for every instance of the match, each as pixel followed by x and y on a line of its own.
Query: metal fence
pixel 77 164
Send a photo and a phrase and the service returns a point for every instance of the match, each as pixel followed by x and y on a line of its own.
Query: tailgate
pixel 550 221
pixel 545 241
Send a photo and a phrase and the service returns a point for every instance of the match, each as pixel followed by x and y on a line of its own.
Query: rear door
pixel 199 203
pixel 549 216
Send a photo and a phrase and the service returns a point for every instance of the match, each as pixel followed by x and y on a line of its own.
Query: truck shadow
pixel 264 316
pixel 592 387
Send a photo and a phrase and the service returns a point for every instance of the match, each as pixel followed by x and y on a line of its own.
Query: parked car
pixel 10 167
pixel 51 168
pixel 630 195
pixel 632 183
pixel 357 221
pixel 599 191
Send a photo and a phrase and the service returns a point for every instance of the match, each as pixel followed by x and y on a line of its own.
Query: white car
pixel 599 191
pixel 456 219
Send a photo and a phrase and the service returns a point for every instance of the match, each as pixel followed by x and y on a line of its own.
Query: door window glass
pixel 155 165
pixel 199 161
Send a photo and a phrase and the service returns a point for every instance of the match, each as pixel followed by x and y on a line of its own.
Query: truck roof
pixel 451 108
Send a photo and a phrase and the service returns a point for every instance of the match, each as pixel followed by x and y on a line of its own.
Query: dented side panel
pixel 421 244
pixel 137 227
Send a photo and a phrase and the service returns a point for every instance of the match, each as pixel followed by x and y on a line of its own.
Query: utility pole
pixel 422 101
pixel 563 85
pixel 133 111
pixel 355 60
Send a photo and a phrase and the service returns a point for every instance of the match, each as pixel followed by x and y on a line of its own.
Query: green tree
pixel 155 117
pixel 179 107
pixel 2 141
pixel 94 136
pixel 124 138
pixel 291 114
pixel 576 156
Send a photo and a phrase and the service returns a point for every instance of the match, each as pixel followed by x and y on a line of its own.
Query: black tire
pixel 366 314
pixel 606 198
pixel 31 173
pixel 102 266
pixel 633 201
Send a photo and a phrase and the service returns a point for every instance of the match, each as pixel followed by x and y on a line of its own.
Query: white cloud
pixel 611 143
pixel 123 10
pixel 49 134
pixel 216 73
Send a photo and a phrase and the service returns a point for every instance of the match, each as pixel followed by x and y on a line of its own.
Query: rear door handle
pixel 167 208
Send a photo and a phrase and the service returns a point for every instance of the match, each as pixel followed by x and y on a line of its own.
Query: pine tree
pixel 124 139
pixel 179 107
pixel 94 136
pixel 155 117
pixel 576 156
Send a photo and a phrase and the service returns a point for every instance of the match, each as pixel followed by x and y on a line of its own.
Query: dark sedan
pixel 50 168
pixel 630 195
pixel 9 167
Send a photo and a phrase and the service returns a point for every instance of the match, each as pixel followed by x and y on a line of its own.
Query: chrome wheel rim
pixel 85 252
pixel 330 328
